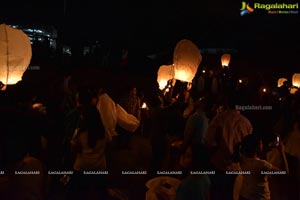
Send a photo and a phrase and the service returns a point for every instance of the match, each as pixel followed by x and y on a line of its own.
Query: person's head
pixel 233 101
pixel 23 95
pixel 88 97
pixel 94 98
pixel 251 145
pixel 200 104
pixel 155 101
pixel 133 91
pixel 220 109
pixel 93 126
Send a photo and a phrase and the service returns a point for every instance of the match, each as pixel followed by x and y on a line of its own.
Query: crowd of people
pixel 196 128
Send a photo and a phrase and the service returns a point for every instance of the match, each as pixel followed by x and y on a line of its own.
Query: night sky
pixel 155 25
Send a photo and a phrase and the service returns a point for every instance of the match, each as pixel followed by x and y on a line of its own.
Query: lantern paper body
pixel 296 80
pixel 15 54
pixel 225 60
pixel 186 60
pixel 293 90
pixel 281 81
pixel 164 74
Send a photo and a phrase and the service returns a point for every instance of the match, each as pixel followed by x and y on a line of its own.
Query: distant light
pixel 225 59
pixel 144 106
pixel 29 30
pixel 203 71
pixel 264 90
pixel 279 99
pixel 169 86
pixel 167 90
pixel 240 81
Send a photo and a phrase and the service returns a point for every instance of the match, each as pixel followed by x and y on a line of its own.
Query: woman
pixel 88 144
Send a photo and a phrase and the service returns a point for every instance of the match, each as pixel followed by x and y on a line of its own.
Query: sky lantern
pixel 296 80
pixel 186 59
pixel 281 81
pixel 293 90
pixel 15 54
pixel 225 60
pixel 164 74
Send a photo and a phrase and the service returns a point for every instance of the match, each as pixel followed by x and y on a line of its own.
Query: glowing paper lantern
pixel 15 54
pixel 281 81
pixel 225 60
pixel 296 80
pixel 293 90
pixel 186 60
pixel 164 74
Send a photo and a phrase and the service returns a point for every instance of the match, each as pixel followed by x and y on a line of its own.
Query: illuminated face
pixel 133 91
pixel 220 109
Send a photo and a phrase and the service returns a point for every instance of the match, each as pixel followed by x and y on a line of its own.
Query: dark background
pixel 262 41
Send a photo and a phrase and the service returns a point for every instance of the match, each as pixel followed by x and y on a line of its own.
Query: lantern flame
pixel 13 80
pixel 144 106
pixel 162 84
pixel 182 75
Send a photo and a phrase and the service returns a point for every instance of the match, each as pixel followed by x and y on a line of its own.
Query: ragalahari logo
pixel 246 9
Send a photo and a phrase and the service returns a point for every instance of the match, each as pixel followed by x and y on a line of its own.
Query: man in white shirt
pixel 224 132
